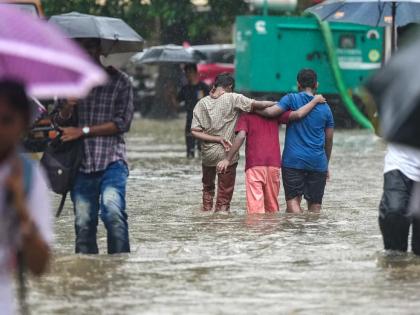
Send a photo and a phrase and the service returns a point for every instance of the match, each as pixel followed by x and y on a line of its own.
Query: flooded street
pixel 184 261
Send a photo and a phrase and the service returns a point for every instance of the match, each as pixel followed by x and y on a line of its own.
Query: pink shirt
pixel 262 139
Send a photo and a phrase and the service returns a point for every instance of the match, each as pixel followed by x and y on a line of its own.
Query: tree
pixel 162 21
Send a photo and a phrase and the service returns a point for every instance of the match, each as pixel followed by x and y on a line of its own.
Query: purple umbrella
pixel 41 57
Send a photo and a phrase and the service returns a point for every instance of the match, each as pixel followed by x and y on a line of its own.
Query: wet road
pixel 188 262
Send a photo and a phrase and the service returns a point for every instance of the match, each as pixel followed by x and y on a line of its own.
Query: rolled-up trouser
pixel 225 187
pixel 104 191
pixel 394 215
pixel 262 189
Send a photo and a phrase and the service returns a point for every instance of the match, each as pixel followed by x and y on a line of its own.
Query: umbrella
pixel 396 91
pixel 33 52
pixel 168 54
pixel 116 36
pixel 370 12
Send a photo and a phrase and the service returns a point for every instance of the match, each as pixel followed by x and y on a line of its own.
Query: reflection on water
pixel 188 262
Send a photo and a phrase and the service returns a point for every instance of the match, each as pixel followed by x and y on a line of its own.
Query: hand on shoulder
pixel 319 99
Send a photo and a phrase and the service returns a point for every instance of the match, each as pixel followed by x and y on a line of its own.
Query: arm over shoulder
pixel 241 102
pixel 285 103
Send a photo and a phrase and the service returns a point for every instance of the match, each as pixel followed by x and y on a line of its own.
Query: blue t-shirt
pixel 305 138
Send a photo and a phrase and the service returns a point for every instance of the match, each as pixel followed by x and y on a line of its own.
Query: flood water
pixel 184 261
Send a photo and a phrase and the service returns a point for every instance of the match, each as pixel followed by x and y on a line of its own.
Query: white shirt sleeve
pixel 39 204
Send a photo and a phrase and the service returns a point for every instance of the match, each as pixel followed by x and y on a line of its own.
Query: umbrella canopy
pixel 168 54
pixel 370 12
pixel 116 36
pixel 39 56
pixel 396 92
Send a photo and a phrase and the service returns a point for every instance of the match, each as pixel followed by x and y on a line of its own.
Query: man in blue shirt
pixel 308 145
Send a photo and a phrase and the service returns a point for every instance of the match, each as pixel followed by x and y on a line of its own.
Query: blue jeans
pixel 104 191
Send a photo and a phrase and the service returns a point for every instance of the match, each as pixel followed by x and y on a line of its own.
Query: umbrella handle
pixel 112 46
pixel 394 28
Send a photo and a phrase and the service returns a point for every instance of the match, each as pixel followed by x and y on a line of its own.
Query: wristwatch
pixel 86 130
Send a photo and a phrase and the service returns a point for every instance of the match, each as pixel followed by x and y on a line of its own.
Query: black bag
pixel 61 161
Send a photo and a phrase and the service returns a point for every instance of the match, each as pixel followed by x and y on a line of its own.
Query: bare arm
pixel 271 112
pixel 74 133
pixel 276 111
pixel 261 105
pixel 239 140
pixel 200 135
pixel 120 122
pixel 329 135
pixel 306 109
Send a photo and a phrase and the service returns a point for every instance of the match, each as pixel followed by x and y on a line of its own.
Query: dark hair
pixel 14 94
pixel 190 67
pixel 307 78
pixel 224 80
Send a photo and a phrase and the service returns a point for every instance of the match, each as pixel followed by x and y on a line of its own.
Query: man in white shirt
pixel 402 171
pixel 25 213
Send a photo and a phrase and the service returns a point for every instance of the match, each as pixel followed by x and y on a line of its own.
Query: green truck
pixel 270 50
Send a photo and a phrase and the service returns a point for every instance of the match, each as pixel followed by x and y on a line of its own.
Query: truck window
pixel 347 41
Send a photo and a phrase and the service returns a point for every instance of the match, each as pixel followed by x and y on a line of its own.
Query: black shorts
pixel 309 184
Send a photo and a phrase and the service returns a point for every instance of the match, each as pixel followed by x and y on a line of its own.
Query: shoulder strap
pixel 61 206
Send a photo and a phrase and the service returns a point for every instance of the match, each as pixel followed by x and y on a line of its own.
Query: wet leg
pixel 314 207
pixel 209 179
pixel 254 182
pixel 394 220
pixel 113 214
pixel 226 185
pixel 314 189
pixel 293 205
pixel 85 198
pixel 272 189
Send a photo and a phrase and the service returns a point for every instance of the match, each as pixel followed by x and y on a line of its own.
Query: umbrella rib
pixel 333 11
pixel 381 10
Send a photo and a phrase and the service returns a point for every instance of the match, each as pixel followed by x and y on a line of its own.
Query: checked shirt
pixel 217 117
pixel 112 102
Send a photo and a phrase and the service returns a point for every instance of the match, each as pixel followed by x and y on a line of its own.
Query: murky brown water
pixel 188 262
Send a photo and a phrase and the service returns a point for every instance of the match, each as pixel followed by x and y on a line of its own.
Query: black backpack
pixel 61 161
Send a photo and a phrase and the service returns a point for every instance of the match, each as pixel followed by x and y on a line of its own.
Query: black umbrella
pixel 396 92
pixel 116 36
pixel 392 13
pixel 168 54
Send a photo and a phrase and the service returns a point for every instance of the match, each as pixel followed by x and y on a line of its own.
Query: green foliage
pixel 167 21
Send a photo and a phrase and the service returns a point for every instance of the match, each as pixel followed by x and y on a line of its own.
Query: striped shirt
pixel 112 102
pixel 217 117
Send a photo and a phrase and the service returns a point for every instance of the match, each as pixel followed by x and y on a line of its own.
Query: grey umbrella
pixel 392 13
pixel 396 91
pixel 168 54
pixel 116 36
